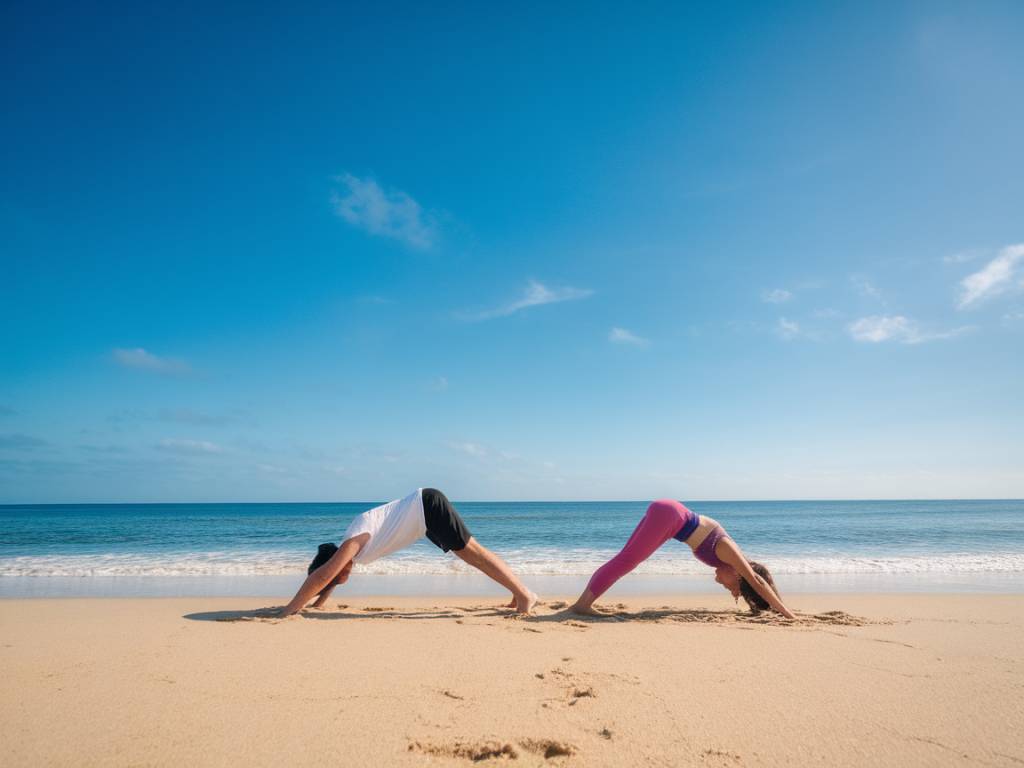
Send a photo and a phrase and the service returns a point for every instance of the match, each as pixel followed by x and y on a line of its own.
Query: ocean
pixel 263 549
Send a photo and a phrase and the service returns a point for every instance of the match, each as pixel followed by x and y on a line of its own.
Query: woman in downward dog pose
pixel 394 526
pixel 667 519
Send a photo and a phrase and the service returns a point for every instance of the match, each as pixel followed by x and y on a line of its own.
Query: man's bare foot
pixel 525 605
pixel 512 602
pixel 585 610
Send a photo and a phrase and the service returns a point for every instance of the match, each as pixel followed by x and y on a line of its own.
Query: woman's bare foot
pixel 526 603
pixel 585 610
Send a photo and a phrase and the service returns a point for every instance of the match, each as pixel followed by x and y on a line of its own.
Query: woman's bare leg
pixel 488 563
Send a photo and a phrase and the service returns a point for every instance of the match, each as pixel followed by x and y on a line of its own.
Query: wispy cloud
pixel 19 441
pixel 865 287
pixel 470 449
pixel 962 257
pixel 879 328
pixel 622 336
pixel 994 278
pixel 535 295
pixel 363 203
pixel 189 447
pixel 776 296
pixel 273 469
pixel 201 418
pixel 146 361
pixel 787 329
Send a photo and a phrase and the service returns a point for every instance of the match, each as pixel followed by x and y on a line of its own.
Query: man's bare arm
pixel 338 581
pixel 319 579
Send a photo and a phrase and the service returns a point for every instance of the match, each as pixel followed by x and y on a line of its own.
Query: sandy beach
pixel 865 679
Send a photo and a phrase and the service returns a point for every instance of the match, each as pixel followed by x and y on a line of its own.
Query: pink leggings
pixel 662 521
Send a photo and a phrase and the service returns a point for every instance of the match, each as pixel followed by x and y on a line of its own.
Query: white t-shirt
pixel 392 526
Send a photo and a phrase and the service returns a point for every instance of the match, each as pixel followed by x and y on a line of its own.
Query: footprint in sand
pixel 604 733
pixel 581 693
pixel 557 605
pixel 721 757
pixel 495 750
pixel 574 690
pixel 342 606
pixel 475 751
pixel 548 748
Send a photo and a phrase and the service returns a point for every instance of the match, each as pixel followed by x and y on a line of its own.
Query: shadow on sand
pixel 270 615
pixel 560 615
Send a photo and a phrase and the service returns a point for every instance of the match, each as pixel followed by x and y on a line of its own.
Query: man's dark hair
pixel 323 553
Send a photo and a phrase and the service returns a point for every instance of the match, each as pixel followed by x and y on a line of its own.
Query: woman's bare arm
pixel 730 554
pixel 319 579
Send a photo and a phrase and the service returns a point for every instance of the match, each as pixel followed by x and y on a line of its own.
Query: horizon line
pixel 490 501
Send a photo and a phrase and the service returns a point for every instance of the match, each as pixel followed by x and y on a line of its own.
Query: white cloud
pixel 622 336
pixel 189 447
pixel 787 329
pixel 273 469
pixel 879 328
pixel 865 287
pixel 387 213
pixel 147 361
pixel 470 449
pixel 536 294
pixel 961 258
pixel 992 279
pixel 777 296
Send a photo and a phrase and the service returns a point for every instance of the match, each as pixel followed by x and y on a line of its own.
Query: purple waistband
pixel 692 521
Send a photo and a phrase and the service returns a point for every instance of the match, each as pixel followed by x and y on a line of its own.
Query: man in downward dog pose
pixel 394 526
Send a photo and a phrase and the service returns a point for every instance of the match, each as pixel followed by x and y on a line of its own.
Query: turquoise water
pixel 250 548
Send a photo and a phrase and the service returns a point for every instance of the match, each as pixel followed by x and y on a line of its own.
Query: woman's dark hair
pixel 748 593
pixel 323 553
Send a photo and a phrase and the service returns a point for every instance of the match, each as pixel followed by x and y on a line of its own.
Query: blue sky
pixel 525 253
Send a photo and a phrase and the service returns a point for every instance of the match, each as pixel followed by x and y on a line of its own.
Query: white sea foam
pixel 551 562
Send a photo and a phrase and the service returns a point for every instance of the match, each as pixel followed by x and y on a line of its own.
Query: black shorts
pixel 444 526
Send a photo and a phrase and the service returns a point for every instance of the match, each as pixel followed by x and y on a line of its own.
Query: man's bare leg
pixel 493 566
